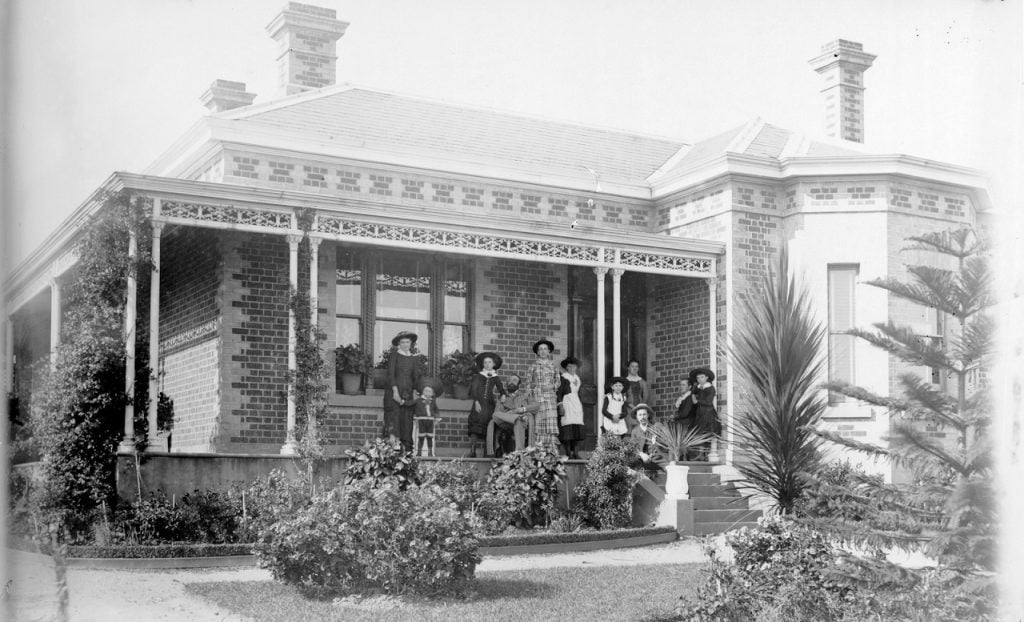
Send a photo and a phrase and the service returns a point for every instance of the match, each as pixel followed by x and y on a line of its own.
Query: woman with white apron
pixel 570 408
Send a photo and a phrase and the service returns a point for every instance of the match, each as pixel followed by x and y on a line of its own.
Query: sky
pixel 107 85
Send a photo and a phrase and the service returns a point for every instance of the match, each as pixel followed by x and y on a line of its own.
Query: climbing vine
pixel 77 411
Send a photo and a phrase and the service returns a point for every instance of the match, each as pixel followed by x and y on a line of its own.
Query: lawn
pixel 606 593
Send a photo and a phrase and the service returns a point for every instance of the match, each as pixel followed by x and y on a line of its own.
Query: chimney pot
pixel 842 64
pixel 226 95
pixel 307 36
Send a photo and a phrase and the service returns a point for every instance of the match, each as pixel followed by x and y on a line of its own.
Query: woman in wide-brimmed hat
pixel 542 380
pixel 485 389
pixel 570 408
pixel 705 417
pixel 403 377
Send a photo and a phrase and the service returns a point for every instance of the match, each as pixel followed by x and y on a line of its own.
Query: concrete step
pixel 709 529
pixel 720 503
pixel 726 516
pixel 703 479
pixel 717 490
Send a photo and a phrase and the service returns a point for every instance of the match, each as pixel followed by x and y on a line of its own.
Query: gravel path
pixel 159 595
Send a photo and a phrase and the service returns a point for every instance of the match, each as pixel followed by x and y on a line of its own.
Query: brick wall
pixel 678 332
pixel 517 303
pixel 190 272
pixel 192 379
pixel 255 335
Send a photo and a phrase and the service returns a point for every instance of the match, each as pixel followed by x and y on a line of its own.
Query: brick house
pixel 487 230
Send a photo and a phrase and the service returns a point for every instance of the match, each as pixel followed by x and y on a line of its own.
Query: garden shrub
pixel 527 482
pixel 491 514
pixel 384 463
pixel 457 481
pixel 270 499
pixel 367 537
pixel 208 517
pixel 605 496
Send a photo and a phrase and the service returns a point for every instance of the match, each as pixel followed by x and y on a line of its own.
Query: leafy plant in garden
pixel 776 352
pixel 458 368
pixel 605 495
pixel 362 537
pixel 270 499
pixel 952 500
pixel 384 463
pixel 457 481
pixel 673 441
pixel 527 481
pixel 77 412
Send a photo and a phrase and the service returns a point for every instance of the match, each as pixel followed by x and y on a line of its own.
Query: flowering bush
pixel 605 496
pixel 457 482
pixel 362 536
pixel 527 481
pixel 270 499
pixel 780 571
pixel 384 463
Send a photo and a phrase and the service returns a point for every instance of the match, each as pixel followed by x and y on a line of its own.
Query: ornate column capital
pixel 617 273
pixel 293 240
pixel 600 271
pixel 314 243
pixel 158 228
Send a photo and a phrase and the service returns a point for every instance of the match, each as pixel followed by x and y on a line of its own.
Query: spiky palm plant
pixel 952 496
pixel 673 440
pixel 777 354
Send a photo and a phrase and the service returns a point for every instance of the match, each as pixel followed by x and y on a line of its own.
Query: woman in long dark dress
pixel 485 389
pixel 403 377
pixel 703 397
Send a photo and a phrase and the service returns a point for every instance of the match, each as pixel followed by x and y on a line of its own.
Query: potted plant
pixel 457 372
pixel 672 441
pixel 351 362
pixel 380 370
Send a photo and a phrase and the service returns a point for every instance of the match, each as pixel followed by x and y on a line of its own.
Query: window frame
pixel 835 398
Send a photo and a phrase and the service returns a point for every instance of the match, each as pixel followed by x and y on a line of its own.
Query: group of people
pixel 546 403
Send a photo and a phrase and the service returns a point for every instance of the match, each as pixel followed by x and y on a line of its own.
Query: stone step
pixel 726 516
pixel 700 467
pixel 716 490
pixel 720 503
pixel 710 529
pixel 703 479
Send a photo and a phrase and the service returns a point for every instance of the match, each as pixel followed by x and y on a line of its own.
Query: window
pixel 842 280
pixel 380 293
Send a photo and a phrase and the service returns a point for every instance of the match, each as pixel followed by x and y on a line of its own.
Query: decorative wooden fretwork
pixel 455 239
pixel 194 335
pixel 664 262
pixel 228 214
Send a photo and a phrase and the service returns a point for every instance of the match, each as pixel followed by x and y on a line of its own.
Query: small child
pixel 425 417
pixel 614 421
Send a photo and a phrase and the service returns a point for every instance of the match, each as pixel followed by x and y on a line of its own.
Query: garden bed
pixel 183 555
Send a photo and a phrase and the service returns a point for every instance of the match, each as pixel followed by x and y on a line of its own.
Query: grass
pixel 605 593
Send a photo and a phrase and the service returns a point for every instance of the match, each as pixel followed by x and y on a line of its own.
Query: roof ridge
pixel 248 111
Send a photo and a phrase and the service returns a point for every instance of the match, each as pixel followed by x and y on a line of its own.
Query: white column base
pixel 290 448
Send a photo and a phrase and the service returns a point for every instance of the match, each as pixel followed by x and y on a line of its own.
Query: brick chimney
pixel 226 95
pixel 307 36
pixel 842 64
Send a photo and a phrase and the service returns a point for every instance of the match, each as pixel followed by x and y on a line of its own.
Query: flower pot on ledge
pixel 460 391
pixel 350 383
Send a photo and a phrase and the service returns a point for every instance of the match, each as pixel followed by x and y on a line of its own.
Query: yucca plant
pixel 673 440
pixel 952 497
pixel 777 355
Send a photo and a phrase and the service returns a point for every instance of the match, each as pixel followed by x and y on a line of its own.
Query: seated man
pixel 515 413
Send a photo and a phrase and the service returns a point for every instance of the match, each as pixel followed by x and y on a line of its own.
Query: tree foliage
pixel 77 414
pixel 951 498
pixel 777 355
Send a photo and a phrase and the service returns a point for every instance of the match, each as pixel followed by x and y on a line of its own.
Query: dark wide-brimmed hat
pixel 618 379
pixel 433 383
pixel 487 355
pixel 569 360
pixel 702 370
pixel 551 346
pixel 641 406
pixel 404 335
